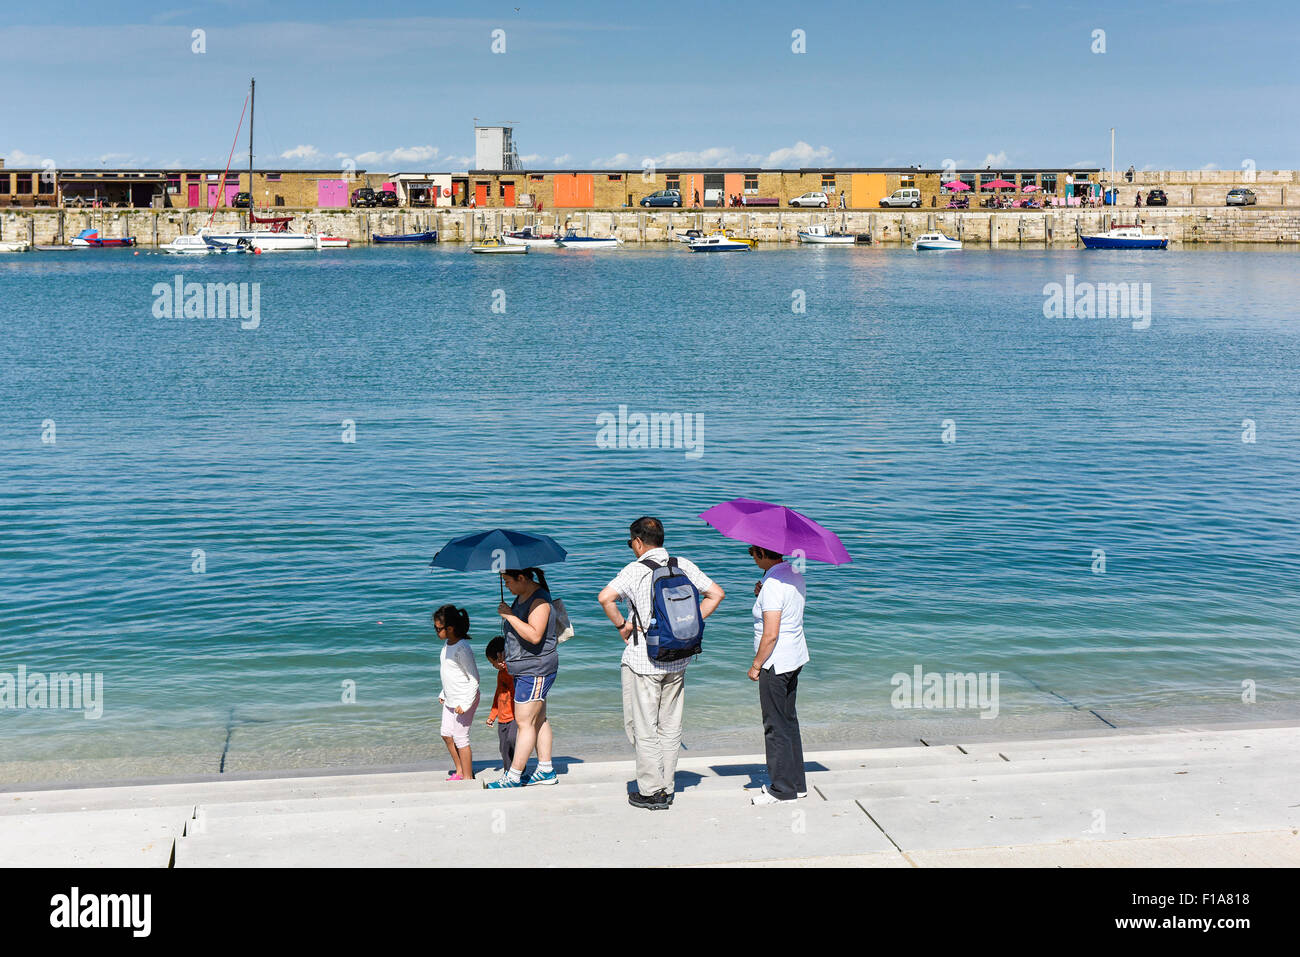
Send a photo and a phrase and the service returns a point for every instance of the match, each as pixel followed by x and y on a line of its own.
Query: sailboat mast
pixel 252 104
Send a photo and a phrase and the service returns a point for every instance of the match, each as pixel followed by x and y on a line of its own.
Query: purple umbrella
pixel 776 528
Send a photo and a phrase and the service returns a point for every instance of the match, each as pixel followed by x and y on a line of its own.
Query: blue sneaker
pixel 502 783
pixel 540 777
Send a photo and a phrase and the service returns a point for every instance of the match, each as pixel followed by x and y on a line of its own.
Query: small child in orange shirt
pixel 503 703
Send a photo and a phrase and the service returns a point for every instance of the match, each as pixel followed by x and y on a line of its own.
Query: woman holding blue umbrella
pixel 530 627
pixel 532 660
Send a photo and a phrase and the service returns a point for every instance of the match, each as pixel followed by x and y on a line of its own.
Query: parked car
pixel 1241 197
pixel 386 197
pixel 243 200
pixel 665 197
pixel 813 198
pixel 365 196
pixel 902 197
pixel 1157 197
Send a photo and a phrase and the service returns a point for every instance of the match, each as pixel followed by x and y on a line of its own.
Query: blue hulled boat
pixel 428 236
pixel 1125 237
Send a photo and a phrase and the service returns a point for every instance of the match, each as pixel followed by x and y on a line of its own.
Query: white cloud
pixel 530 158
pixel 20 160
pixel 998 159
pixel 562 159
pixel 617 161
pixel 302 153
pixel 800 154
pixel 1210 166
pixel 400 156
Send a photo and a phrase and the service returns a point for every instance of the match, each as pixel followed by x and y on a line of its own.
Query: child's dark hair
pixel 532 574
pixel 457 619
pixel 496 648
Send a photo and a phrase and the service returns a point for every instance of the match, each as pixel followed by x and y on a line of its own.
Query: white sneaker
pixel 802 794
pixel 764 797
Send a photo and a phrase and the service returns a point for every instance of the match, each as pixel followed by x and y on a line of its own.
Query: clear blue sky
pixel 397 84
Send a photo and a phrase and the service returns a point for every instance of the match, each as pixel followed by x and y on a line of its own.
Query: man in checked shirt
pixel 653 691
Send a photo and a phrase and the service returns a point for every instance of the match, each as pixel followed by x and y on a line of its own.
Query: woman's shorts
pixel 533 687
pixel 456 726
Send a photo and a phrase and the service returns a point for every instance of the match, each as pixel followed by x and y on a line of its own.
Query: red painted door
pixel 194 195
pixel 232 190
pixel 480 194
pixel 510 194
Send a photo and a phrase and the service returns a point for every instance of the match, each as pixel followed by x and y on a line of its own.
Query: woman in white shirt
pixel 780 652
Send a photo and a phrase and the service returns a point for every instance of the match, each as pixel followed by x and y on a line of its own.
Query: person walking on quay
pixel 532 660
pixel 654 682
pixel 1137 200
pixel 780 652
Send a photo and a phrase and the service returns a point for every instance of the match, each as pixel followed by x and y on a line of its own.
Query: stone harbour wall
pixel 1005 227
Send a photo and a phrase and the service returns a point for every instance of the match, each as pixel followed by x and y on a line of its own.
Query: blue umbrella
pixel 497 550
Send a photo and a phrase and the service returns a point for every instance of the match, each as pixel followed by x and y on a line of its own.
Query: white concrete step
pixel 112 838
pixel 538 833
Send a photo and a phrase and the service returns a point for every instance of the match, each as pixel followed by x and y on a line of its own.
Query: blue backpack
pixel 676 626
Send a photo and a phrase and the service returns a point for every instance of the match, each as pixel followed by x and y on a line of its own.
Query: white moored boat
pixel 719 243
pixel 818 234
pixel 935 241
pixel 496 246
pixel 14 246
pixel 571 240
pixel 527 236
pixel 194 244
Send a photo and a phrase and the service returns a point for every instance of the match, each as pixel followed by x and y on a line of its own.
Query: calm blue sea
pixel 1097 533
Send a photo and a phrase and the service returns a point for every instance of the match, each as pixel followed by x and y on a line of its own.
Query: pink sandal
pixel 455 777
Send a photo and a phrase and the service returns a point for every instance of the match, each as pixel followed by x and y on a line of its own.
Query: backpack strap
pixel 653 565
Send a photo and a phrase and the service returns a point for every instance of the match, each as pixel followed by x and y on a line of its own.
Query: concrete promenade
pixel 1157 798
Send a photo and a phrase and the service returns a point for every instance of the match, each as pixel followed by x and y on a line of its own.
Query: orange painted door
pixel 480 194
pixel 510 193
pixel 735 186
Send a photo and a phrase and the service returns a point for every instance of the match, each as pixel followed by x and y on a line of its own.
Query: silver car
pixel 1241 197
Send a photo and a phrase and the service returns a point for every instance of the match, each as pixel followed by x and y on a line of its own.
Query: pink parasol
pixel 957 185
pixel 999 184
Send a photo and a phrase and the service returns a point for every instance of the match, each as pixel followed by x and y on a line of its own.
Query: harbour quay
pixel 1051 227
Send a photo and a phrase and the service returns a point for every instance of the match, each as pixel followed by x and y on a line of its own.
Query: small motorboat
pixel 935 241
pixel 571 240
pixel 241 245
pixel 496 246
pixel 331 242
pixel 91 238
pixel 818 234
pixel 689 236
pixel 719 243
pixel 528 236
pixel 15 246
pixel 428 236
pixel 189 245
pixel 1124 237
